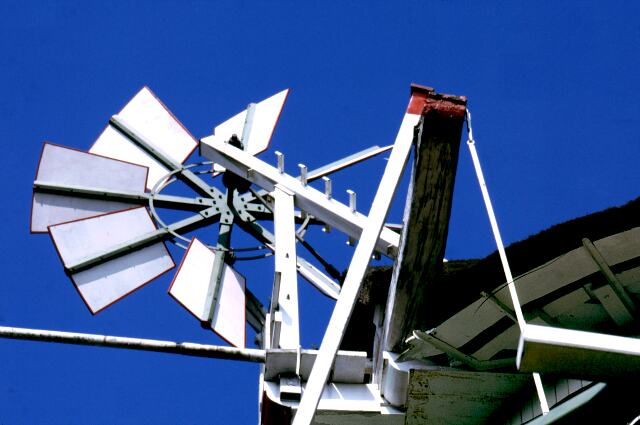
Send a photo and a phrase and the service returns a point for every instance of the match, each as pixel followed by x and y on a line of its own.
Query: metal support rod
pixel 311 274
pixel 329 268
pixel 517 308
pixel 338 165
pixel 280 157
pixel 303 174
pixel 183 348
pixel 213 292
pixel 327 186
pixel 500 305
pixel 158 235
pixel 456 354
pixel 139 198
pixel 361 257
pixel 346 162
pixel 188 176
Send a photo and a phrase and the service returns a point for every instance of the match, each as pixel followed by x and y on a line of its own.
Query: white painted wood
pixel 577 310
pixel 620 247
pixel 307 198
pixel 149 117
pixel 61 165
pixel 285 265
pixel 613 305
pixel 574 265
pixel 191 284
pixel 567 268
pixel 467 324
pixel 578 353
pixel 630 279
pixel 574 309
pixel 562 390
pixel 361 257
pixel 507 339
pixel 575 385
pixel 559 306
pixel 264 120
pixel 550 394
pixel 106 283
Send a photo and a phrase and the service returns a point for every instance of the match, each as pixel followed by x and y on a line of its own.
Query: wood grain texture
pixel 427 216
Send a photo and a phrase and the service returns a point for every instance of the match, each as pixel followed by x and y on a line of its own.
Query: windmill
pixel 103 210
pixel 110 211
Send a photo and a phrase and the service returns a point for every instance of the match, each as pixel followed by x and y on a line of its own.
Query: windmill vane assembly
pixel 102 211
pixel 408 344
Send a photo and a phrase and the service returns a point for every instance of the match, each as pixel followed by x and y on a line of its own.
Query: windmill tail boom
pixel 184 348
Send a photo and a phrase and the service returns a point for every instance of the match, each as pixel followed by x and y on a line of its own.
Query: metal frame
pixel 307 198
pixel 288 330
pixel 287 192
pixel 361 258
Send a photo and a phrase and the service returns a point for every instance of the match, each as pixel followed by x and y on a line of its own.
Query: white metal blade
pixel 262 125
pixel 61 165
pixel 190 286
pixel 147 115
pixel 106 283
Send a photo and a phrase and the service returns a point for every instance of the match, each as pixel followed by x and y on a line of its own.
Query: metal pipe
pixel 184 348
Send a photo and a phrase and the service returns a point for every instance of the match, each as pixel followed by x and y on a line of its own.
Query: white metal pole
pixel 351 286
pixel 184 348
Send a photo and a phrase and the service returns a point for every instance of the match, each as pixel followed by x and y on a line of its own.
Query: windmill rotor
pixel 101 209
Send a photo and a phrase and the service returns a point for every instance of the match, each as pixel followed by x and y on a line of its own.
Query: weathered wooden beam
pixel 426 220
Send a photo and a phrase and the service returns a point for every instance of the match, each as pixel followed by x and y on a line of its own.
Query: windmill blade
pixel 105 283
pixel 69 167
pixel 150 118
pixel 191 285
pixel 255 125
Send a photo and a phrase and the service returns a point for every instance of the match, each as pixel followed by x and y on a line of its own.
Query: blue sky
pixel 551 86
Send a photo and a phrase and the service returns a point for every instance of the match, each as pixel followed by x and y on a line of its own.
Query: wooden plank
pixel 614 306
pixel 578 354
pixel 426 221
pixel 459 397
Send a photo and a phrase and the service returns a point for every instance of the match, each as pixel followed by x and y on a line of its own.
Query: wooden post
pixel 426 220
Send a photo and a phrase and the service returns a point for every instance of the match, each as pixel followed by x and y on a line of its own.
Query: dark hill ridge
pixel 461 281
